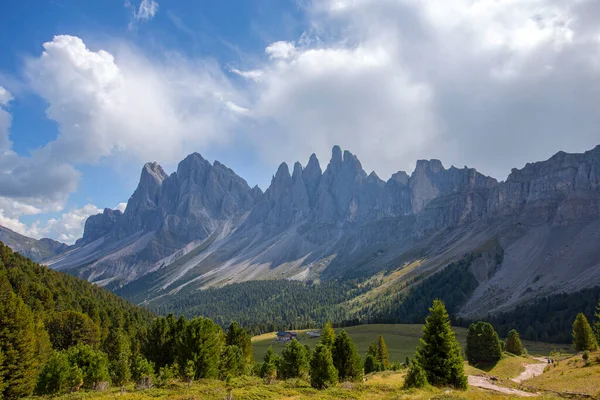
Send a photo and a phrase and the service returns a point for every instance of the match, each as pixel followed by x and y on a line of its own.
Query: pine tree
pixel 142 372
pixel 43 346
pixel 513 343
pixel 597 323
pixel 58 375
pixel 294 361
pixel 346 359
pixel 328 335
pixel 237 336
pixel 93 364
pixel 233 362
pixel 583 337
pixel 322 371
pixel 2 372
pixel 69 328
pixel 17 343
pixel 121 370
pixel 372 365
pixel 382 352
pixel 189 372
pixel 268 370
pixel 483 344
pixel 203 342
pixel 372 350
pixel 438 352
pixel 416 377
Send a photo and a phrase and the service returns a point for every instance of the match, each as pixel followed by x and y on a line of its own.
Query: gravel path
pixel 485 383
pixel 532 370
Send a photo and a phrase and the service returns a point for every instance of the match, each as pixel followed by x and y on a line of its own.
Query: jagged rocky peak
pixel 297 174
pixel 99 225
pixel 431 166
pixel 280 182
pixel 336 155
pixel 153 170
pixel 400 177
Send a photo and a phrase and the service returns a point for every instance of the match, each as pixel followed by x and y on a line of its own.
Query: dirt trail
pixel 532 370
pixel 485 383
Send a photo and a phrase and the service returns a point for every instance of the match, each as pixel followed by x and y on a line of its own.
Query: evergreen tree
pixel 142 372
pixel 346 359
pixel 597 323
pixel 2 372
pixel 93 364
pixel 268 370
pixel 372 350
pixel 328 335
pixel 513 343
pixel 416 377
pixel 372 365
pixel 438 352
pixel 69 328
pixel 118 349
pixel 382 352
pixel 322 371
pixel 233 362
pixel 583 337
pixel 17 343
pixel 164 335
pixel 483 344
pixel 43 346
pixel 202 342
pixel 58 375
pixel 294 361
pixel 120 370
pixel 189 372
pixel 237 336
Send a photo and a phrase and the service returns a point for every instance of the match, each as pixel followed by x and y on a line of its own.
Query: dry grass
pixel 571 375
pixel 380 386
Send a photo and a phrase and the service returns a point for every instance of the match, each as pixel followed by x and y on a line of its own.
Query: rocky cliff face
pixel 203 225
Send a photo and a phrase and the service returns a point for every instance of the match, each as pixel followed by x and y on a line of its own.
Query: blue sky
pixel 92 90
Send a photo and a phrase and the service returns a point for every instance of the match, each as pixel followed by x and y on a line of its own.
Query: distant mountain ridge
pixel 205 226
pixel 37 250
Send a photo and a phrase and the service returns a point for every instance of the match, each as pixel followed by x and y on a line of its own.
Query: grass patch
pixel 401 339
pixel 570 375
pixel 508 367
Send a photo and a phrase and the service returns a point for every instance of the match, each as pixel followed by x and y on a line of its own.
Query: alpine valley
pixel 507 243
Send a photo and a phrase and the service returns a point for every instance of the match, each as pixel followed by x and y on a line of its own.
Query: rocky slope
pixel 204 226
pixel 37 250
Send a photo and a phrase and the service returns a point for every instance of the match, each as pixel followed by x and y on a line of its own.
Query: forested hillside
pixel 42 310
pixel 266 306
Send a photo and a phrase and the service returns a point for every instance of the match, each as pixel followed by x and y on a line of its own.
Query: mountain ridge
pixel 204 226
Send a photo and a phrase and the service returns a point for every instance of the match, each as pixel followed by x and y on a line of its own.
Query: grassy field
pixel 401 339
pixel 509 367
pixel 380 386
pixel 571 374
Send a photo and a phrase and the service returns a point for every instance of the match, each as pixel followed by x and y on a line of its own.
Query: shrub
pixel 416 377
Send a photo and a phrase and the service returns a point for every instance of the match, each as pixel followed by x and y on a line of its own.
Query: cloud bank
pixel 489 84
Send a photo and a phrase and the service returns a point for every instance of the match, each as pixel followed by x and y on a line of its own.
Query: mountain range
pixel 535 234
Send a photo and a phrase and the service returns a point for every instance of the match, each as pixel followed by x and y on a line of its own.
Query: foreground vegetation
pixel 62 336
